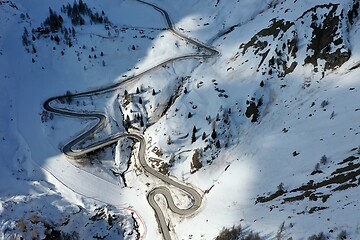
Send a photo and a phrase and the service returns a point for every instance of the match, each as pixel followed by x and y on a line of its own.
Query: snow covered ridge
pixel 268 131
pixel 323 29
pixel 26 217
pixel 277 98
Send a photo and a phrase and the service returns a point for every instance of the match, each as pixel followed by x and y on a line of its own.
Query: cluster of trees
pixel 76 12
pixel 45 116
pixel 52 24
pixel 54 21
pixel 138 117
pixel 203 137
pixel 214 136
pixel 323 161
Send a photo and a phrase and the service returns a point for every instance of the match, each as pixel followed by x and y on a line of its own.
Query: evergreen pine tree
pixel 203 136
pixel 127 121
pixel 217 117
pixel 213 134
pixel 193 137
pixel 217 144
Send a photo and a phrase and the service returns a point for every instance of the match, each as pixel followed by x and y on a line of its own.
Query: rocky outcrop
pixel 328 41
pixel 323 30
pixel 278 58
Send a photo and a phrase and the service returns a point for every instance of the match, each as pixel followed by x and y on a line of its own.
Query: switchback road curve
pixel 101 118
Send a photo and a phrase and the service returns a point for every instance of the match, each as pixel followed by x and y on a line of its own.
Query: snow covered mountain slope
pixel 267 131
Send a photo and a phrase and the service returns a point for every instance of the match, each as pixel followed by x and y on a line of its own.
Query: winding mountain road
pixel 101 118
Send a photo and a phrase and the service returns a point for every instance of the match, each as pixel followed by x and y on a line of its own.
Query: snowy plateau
pixel 155 119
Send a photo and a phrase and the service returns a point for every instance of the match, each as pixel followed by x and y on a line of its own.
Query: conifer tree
pixel 193 137
pixel 217 144
pixel 213 134
pixel 203 136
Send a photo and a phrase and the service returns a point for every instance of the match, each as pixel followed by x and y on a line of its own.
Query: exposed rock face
pixel 278 58
pixel 353 12
pixel 195 163
pixel 328 40
pixel 252 111
pixel 323 30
